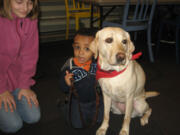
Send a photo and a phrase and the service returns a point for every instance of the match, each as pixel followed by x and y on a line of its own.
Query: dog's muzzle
pixel 120 57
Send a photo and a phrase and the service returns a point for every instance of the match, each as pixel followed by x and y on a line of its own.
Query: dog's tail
pixel 151 94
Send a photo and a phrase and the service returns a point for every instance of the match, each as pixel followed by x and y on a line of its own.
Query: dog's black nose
pixel 120 57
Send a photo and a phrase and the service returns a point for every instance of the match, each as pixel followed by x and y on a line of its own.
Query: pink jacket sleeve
pixel 29 56
pixel 4 63
pixel 3 77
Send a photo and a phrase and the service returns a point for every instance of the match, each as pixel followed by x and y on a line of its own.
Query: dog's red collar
pixel 112 73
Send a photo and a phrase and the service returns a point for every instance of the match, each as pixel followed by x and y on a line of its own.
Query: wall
pixel 52 20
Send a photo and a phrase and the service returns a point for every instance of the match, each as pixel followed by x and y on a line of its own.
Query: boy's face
pixel 81 48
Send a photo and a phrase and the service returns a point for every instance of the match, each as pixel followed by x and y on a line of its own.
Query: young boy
pixel 82 69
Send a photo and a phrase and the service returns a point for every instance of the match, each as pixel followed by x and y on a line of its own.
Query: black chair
pixel 175 25
pixel 137 16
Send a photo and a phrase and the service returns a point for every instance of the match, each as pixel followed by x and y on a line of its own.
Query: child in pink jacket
pixel 18 58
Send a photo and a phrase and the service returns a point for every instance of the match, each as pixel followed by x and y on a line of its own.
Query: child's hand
pixel 68 78
pixel 29 95
pixel 8 100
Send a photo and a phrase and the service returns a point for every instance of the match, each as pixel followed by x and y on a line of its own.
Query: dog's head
pixel 114 47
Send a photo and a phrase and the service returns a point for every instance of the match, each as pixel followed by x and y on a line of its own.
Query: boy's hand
pixel 29 95
pixel 68 78
pixel 8 100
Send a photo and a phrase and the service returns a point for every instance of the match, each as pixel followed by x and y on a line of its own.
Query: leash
pixel 73 91
pixel 97 105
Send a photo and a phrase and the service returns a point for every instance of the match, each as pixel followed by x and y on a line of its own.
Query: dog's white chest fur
pixel 120 86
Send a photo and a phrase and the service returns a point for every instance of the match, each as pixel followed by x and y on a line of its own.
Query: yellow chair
pixel 77 10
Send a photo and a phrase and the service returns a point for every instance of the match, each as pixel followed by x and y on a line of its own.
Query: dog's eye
pixel 124 41
pixel 109 40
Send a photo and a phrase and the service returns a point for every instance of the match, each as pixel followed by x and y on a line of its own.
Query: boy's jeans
pixel 11 122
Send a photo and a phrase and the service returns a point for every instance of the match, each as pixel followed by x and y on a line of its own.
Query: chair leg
pixel 177 45
pixel 67 28
pixel 77 23
pixel 135 36
pixel 159 38
pixel 99 22
pixel 150 44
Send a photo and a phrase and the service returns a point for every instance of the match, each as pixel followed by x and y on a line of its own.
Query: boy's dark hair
pixel 87 32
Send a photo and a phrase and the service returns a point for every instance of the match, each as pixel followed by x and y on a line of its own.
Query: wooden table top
pixel 122 2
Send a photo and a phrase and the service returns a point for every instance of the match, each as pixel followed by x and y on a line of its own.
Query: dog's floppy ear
pixel 94 45
pixel 131 47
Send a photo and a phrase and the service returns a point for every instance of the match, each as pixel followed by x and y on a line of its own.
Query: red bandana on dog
pixel 108 74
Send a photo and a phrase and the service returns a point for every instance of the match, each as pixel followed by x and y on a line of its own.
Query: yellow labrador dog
pixel 121 78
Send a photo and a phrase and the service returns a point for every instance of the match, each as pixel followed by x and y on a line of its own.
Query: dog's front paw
pixel 144 121
pixel 101 131
pixel 124 132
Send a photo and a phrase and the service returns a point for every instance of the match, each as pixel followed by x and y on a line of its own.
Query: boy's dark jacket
pixel 84 81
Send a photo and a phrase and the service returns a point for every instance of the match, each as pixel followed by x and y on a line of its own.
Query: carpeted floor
pixel 162 76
